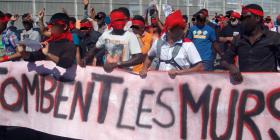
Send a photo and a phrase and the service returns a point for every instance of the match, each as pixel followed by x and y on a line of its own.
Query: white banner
pixel 122 106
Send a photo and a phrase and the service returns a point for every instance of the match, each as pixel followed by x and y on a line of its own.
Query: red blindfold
pixel 57 22
pixel 253 11
pixel 86 25
pixel 138 23
pixel 117 15
pixel 4 19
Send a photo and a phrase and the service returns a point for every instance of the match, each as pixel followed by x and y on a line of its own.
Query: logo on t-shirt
pixel 25 36
pixel 200 34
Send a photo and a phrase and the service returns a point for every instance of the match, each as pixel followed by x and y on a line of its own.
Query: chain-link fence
pixel 188 7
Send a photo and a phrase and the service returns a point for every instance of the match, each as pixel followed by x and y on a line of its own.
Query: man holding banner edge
pixel 257 47
pixel 184 57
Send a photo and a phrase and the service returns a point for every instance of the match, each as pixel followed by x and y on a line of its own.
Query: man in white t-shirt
pixel 173 54
pixel 122 47
pixel 28 34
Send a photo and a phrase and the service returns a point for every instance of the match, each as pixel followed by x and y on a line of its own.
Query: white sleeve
pixel 101 41
pixel 192 54
pixel 134 46
pixel 35 36
pixel 153 51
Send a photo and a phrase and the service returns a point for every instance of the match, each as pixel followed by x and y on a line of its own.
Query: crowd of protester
pixel 234 42
pixel 238 42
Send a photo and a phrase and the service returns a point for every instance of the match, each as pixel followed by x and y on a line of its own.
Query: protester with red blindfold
pixel 58 48
pixel 145 39
pixel 88 38
pixel 232 29
pixel 257 47
pixel 122 47
pixel 184 57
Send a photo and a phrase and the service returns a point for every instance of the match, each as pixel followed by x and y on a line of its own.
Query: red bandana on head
pixel 5 19
pixel 253 11
pixel 118 20
pixel 87 24
pixel 72 25
pixel 138 23
pixel 235 15
pixel 55 37
pixel 174 19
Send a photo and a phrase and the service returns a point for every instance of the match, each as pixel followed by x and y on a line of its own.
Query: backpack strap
pixel 160 42
pixel 172 61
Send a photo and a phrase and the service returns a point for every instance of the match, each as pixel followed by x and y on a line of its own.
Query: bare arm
pixel 135 60
pixel 197 68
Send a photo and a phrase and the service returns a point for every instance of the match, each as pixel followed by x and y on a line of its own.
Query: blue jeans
pixel 208 65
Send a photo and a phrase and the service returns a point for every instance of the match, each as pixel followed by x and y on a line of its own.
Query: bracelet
pixel 5 58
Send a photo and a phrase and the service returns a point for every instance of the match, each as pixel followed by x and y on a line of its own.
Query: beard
pixel 234 22
pixel 176 37
pixel 246 29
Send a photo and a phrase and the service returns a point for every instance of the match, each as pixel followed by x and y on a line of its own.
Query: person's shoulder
pixel 187 40
pixel 273 35
pixel 148 35
pixel 129 34
pixel 209 28
pixel 193 27
pixel 187 43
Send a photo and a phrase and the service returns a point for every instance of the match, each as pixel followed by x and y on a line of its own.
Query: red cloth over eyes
pixel 235 15
pixel 86 25
pixel 253 11
pixel 55 37
pixel 138 23
pixel 5 19
pixel 118 20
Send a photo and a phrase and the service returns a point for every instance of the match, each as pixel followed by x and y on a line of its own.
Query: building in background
pixel 189 7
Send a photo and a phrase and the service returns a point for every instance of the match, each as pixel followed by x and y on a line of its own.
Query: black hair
pixel 72 19
pixel 254 6
pixel 138 17
pixel 84 20
pixel 185 17
pixel 1 14
pixel 25 15
pixel 8 15
pixel 60 16
pixel 204 10
pixel 125 11
pixel 228 13
pixel 100 15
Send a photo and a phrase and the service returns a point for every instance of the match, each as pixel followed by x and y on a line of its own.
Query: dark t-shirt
pixel 258 57
pixel 230 31
pixel 88 41
pixel 63 49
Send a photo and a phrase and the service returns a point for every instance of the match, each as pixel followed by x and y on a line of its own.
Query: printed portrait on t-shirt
pixel 115 50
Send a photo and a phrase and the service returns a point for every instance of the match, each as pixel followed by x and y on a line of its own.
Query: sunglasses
pixel 135 27
pixel 85 29
pixel 193 19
